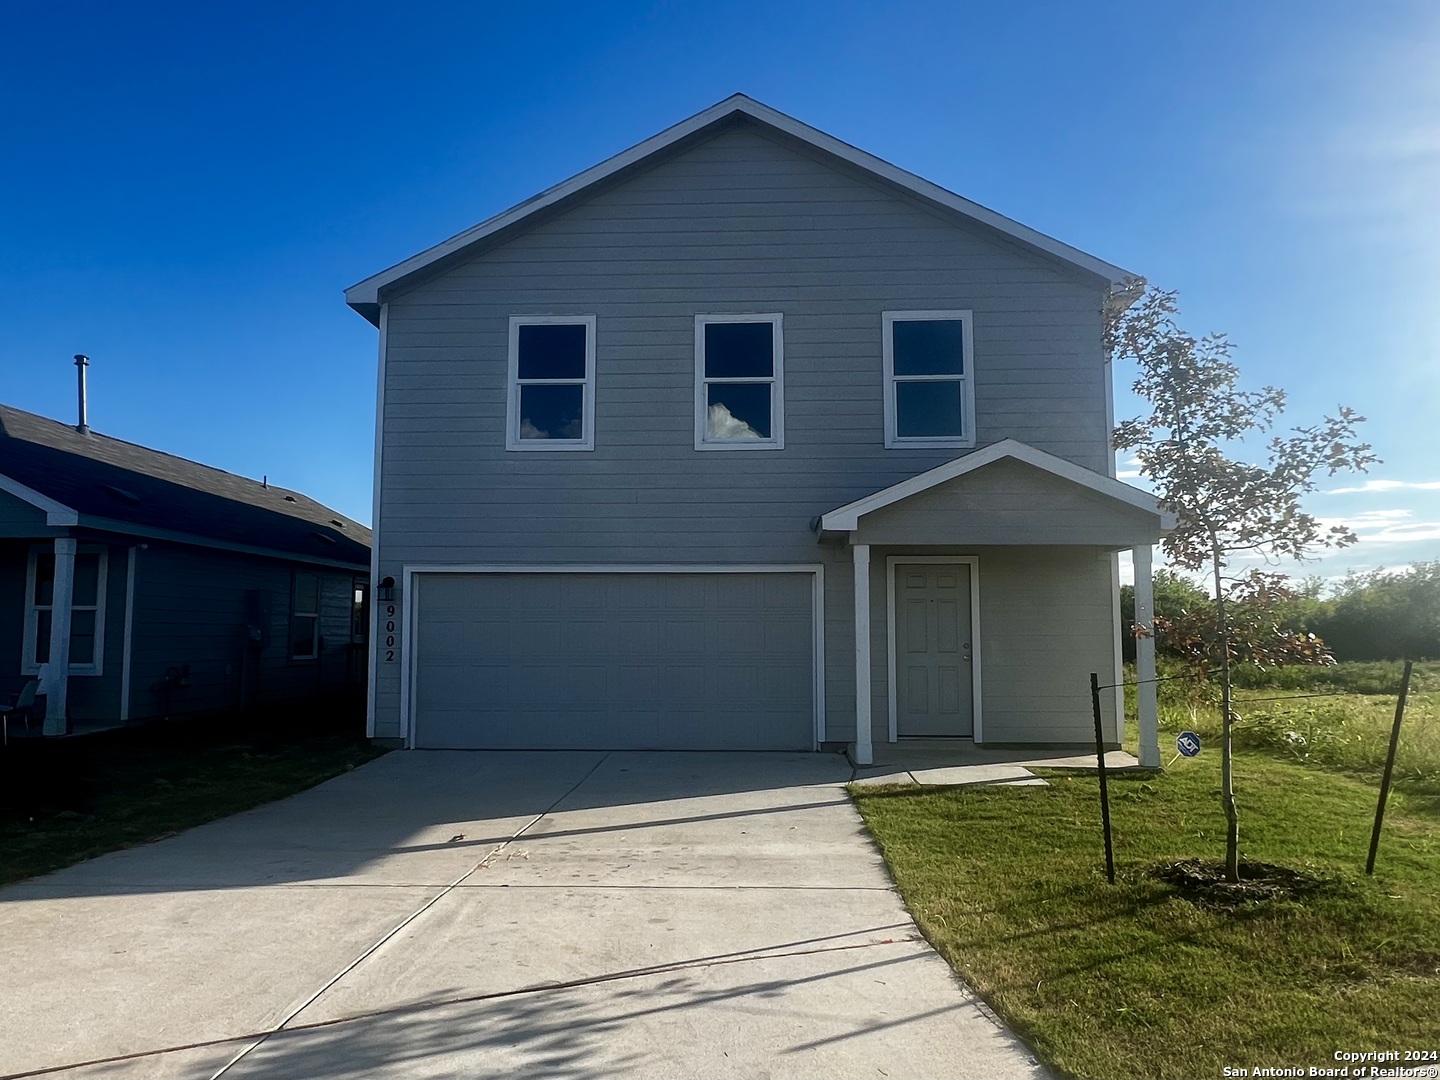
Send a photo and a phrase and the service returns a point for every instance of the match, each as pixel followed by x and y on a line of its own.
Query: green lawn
pixel 72 800
pixel 1135 980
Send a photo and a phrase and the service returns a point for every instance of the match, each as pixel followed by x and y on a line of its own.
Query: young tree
pixel 1224 506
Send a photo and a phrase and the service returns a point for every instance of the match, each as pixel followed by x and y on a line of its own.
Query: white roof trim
pixel 55 513
pixel 366 294
pixel 847 518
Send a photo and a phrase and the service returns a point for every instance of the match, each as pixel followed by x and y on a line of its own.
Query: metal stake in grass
pixel 1104 787
pixel 1389 766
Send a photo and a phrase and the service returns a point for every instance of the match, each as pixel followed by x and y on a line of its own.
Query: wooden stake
pixel 1104 786
pixel 1389 766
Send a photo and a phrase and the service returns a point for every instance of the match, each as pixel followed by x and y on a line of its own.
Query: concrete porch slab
pixel 958 762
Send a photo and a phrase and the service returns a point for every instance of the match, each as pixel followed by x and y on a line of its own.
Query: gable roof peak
pixel 367 296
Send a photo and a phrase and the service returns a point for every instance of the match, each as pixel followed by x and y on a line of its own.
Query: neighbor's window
pixel 929 394
pixel 87 611
pixel 739 383
pixel 305 617
pixel 552 383
pixel 359 610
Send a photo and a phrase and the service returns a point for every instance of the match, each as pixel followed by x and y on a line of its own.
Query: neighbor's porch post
pixel 864 748
pixel 58 669
pixel 1145 699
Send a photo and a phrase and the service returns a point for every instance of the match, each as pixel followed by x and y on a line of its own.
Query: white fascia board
pixel 56 513
pixel 365 295
pixel 847 518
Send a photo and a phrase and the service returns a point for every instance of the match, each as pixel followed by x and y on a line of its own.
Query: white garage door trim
pixel 409 616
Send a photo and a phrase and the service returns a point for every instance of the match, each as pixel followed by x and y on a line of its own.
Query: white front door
pixel 934 666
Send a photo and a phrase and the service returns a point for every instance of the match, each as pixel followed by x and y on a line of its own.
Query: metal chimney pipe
pixel 81 363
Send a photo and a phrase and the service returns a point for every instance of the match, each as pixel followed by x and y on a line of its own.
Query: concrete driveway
pixel 498 914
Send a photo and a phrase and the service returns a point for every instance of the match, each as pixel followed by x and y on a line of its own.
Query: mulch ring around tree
pixel 1202 882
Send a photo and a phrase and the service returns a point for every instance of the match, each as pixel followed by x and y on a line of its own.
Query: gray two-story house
pixel 747 439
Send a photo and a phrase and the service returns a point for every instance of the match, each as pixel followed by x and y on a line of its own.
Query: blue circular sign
pixel 1188 743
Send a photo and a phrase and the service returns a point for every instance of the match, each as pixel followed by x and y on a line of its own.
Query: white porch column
pixel 864 748
pixel 1145 698
pixel 58 669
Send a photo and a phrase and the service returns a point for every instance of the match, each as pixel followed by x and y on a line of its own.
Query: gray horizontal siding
pixel 191 609
pixel 740 223
pixel 19 519
pixel 1008 502
pixel 1045 624
pixel 13 559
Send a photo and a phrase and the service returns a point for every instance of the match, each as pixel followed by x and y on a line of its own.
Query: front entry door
pixel 934 672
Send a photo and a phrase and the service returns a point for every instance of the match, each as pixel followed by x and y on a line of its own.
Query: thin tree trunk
pixel 1227 771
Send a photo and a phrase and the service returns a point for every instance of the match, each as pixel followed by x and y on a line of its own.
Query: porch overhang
pixel 1008 493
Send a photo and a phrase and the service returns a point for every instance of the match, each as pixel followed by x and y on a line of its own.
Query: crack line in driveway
pixel 258 1041
pixel 259 1037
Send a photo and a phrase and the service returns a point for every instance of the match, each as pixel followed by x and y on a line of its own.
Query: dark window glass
pixel 82 637
pixel 739 410
pixel 45 579
pixel 42 637
pixel 552 352
pixel 307 594
pixel 927 410
pixel 87 579
pixel 552 412
pixel 739 350
pixel 302 637
pixel 929 348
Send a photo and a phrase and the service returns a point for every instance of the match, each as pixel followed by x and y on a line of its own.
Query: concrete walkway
pixel 487 914
pixel 958 762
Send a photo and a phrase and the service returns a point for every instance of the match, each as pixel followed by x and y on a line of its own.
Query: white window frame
pixel 28 652
pixel 513 384
pixel 776 381
pixel 313 616
pixel 966 380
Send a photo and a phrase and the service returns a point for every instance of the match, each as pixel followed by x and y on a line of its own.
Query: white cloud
pixel 723 425
pixel 1387 527
pixel 1387 485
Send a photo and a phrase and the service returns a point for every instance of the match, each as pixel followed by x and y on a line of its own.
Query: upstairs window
pixel 739 383
pixel 929 391
pixel 87 611
pixel 551 402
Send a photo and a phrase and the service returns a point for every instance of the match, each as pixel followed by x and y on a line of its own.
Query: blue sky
pixel 187 188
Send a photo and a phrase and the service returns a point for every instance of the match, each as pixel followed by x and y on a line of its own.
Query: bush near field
pixel 1381 615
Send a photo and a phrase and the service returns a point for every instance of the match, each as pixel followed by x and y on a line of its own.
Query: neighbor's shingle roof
pixel 97 476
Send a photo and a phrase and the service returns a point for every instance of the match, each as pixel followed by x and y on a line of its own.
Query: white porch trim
pixel 1147 708
pixel 56 513
pixel 864 739
pixel 125 661
pixel 847 518
pixel 57 671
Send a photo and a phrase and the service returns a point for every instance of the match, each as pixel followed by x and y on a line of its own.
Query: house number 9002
pixel 389 633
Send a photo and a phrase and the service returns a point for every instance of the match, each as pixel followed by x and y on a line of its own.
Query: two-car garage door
pixel 608 660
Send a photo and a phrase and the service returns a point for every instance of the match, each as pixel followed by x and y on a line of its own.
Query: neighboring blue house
pixel 136 584
pixel 747 439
